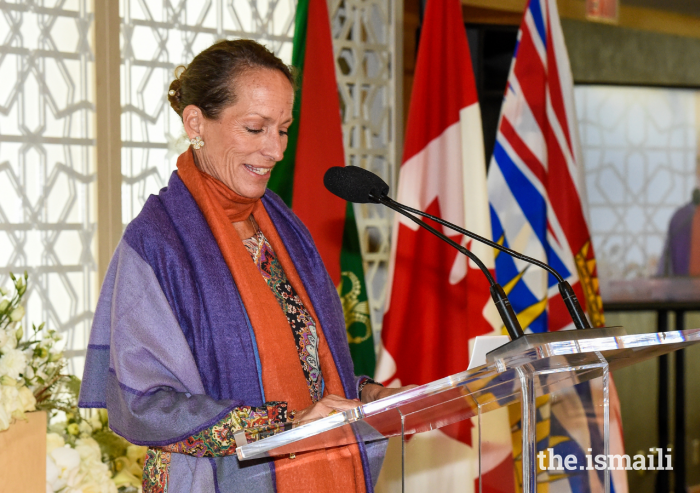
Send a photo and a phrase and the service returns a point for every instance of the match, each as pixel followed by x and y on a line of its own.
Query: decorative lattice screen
pixel 157 36
pixel 47 169
pixel 47 172
pixel 364 33
pixel 640 147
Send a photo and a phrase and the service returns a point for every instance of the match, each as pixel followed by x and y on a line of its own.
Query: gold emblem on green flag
pixel 353 296
pixel 357 321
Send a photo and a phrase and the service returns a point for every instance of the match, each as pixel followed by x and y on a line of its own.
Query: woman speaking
pixel 216 313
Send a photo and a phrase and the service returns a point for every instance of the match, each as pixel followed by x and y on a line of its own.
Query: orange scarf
pixel 336 469
pixel 236 207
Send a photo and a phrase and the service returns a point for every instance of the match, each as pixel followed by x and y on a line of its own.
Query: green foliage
pixel 111 444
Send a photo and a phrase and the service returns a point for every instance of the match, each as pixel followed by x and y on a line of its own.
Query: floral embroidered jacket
pixel 172 354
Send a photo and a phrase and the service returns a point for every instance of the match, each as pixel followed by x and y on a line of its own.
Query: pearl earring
pixel 197 142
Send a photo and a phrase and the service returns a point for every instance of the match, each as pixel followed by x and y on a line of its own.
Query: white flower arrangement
pixel 31 364
pixel 108 463
pixel 16 391
pixel 82 454
pixel 76 470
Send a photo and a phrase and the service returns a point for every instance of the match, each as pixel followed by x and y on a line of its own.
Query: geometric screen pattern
pixel 363 42
pixel 640 152
pixel 47 169
pixel 156 37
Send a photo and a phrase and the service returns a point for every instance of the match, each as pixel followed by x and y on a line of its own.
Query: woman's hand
pixel 324 408
pixel 372 392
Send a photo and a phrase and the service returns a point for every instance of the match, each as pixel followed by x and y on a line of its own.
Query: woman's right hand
pixel 324 408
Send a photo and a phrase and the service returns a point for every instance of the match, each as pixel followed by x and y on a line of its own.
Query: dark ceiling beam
pixel 630 16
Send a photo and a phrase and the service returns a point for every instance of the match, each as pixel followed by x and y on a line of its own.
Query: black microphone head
pixel 355 184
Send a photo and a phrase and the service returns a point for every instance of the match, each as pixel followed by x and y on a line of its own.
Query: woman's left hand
pixel 328 405
pixel 372 392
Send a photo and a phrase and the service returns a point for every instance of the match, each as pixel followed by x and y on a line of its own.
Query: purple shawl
pixel 172 350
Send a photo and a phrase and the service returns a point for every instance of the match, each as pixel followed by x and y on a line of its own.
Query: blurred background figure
pixel 681 255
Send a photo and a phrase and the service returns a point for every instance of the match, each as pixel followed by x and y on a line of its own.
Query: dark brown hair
pixel 208 82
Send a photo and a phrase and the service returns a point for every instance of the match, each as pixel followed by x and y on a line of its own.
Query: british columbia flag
pixel 536 199
pixel 437 300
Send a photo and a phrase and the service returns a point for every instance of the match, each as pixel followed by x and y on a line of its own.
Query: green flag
pixel 314 145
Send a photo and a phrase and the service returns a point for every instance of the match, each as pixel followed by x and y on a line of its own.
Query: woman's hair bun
pixel 174 91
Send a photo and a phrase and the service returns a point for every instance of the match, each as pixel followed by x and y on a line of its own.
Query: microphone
pixel 356 184
pixel 365 186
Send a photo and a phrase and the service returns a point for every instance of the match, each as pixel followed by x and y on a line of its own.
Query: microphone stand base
pixel 540 340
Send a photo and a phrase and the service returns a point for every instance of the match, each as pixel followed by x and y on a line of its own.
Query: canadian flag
pixel 438 300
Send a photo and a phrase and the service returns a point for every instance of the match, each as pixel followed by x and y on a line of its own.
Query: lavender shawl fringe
pixel 172 350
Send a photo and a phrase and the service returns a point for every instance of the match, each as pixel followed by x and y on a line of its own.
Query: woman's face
pixel 242 146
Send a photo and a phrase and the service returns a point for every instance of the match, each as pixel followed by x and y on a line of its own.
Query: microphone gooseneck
pixel 358 185
pixel 434 231
pixel 565 289
pixel 505 309
pixel 481 239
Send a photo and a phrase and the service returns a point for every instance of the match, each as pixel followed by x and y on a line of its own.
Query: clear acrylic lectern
pixel 518 372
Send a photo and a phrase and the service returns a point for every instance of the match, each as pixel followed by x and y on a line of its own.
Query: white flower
pixel 67 461
pixel 85 428
pixel 95 474
pixel 27 399
pixel 5 418
pixel 17 314
pixel 52 474
pixel 9 381
pixel 54 441
pixel 95 421
pixel 74 479
pixel 78 470
pixel 10 341
pixel 3 338
pixel 12 363
pixel 10 397
pixel 88 449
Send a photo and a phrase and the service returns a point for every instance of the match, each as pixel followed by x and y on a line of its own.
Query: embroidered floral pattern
pixel 156 469
pixel 216 441
pixel 302 323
